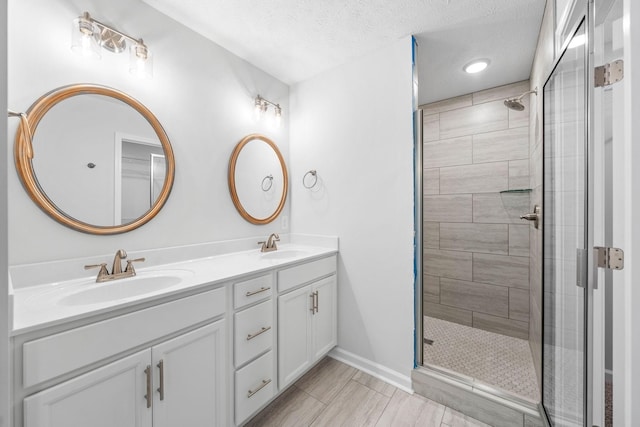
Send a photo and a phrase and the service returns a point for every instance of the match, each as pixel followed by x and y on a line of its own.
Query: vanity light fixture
pixel 261 106
pixel 89 35
pixel 476 66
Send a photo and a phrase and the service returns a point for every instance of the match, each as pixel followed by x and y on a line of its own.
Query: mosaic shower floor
pixel 497 360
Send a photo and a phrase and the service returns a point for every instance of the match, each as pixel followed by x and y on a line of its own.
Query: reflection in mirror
pixel 102 163
pixel 108 134
pixel 258 179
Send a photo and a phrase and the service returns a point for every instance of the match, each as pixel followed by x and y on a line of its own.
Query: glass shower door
pixel 564 233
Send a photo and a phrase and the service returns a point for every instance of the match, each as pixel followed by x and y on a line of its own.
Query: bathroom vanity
pixel 206 341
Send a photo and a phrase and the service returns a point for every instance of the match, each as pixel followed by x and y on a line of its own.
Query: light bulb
pixel 278 116
pixel 84 39
pixel 141 61
pixel 476 66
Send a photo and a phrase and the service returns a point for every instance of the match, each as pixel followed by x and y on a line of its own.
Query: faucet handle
pixel 129 268
pixel 103 270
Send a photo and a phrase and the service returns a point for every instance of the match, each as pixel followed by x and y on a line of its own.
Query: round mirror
pixel 258 179
pixel 94 159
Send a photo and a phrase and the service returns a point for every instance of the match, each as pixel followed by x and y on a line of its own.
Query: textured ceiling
pixel 294 40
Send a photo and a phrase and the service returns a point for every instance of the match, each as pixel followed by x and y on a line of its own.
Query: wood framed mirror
pixel 94 159
pixel 258 179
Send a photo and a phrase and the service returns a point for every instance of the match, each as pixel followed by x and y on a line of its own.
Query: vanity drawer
pixel 255 385
pixel 46 358
pixel 304 273
pixel 253 331
pixel 252 290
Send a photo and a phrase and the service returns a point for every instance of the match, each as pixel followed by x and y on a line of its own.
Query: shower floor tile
pixel 497 360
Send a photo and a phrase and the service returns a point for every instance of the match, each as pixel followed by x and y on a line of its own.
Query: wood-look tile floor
pixel 334 394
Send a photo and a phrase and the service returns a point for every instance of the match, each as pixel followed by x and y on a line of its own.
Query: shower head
pixel 516 103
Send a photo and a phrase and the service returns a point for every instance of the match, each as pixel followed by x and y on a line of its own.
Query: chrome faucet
pixel 116 270
pixel 270 244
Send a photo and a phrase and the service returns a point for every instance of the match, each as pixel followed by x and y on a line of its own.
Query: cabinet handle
pixel 148 396
pixel 260 332
pixel 262 289
pixel 161 388
pixel 317 300
pixel 263 385
pixel 313 302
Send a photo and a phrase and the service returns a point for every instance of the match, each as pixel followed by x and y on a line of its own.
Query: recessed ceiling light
pixel 476 66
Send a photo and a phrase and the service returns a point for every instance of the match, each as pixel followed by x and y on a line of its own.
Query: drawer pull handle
pixel 262 289
pixel 161 388
pixel 314 302
pixel 263 385
pixel 148 396
pixel 260 332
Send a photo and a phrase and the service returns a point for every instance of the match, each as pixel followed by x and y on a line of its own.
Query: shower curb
pixel 473 401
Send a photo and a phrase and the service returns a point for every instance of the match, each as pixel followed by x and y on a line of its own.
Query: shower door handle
pixel 535 216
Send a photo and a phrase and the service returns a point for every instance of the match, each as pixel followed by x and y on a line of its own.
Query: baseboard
pixel 396 379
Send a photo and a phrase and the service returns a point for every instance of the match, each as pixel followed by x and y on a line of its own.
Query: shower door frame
pixel 588 267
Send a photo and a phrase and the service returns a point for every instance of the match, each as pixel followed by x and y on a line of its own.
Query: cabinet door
pixel 190 380
pixel 113 395
pixel 324 319
pixel 293 334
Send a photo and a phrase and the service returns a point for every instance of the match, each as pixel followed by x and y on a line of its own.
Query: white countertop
pixel 43 305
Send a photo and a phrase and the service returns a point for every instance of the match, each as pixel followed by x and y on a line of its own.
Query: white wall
pixel 201 93
pixel 4 273
pixel 353 124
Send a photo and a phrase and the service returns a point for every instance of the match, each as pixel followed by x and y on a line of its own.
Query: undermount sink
pixel 284 254
pixel 143 283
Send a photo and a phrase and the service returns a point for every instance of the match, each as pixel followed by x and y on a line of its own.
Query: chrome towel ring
pixel 314 178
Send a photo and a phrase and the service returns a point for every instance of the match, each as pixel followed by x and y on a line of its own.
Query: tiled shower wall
pixel 476 247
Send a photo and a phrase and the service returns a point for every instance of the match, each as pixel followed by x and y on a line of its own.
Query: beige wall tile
pixel 488 117
pixel 480 178
pixel 474 296
pixel 431 181
pixel 456 265
pixel 431 127
pixel 447 104
pixel 486 238
pixel 512 328
pixel 510 144
pixel 431 235
pixel 518 240
pixel 520 118
pixel 519 174
pixel 501 93
pixel 519 304
pixel 496 208
pixel 448 152
pixel 501 270
pixel 454 208
pixel 431 287
pixel 450 314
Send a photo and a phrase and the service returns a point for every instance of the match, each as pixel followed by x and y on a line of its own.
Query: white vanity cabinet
pixel 254 343
pixel 210 357
pixel 109 396
pixel 177 382
pixel 307 317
